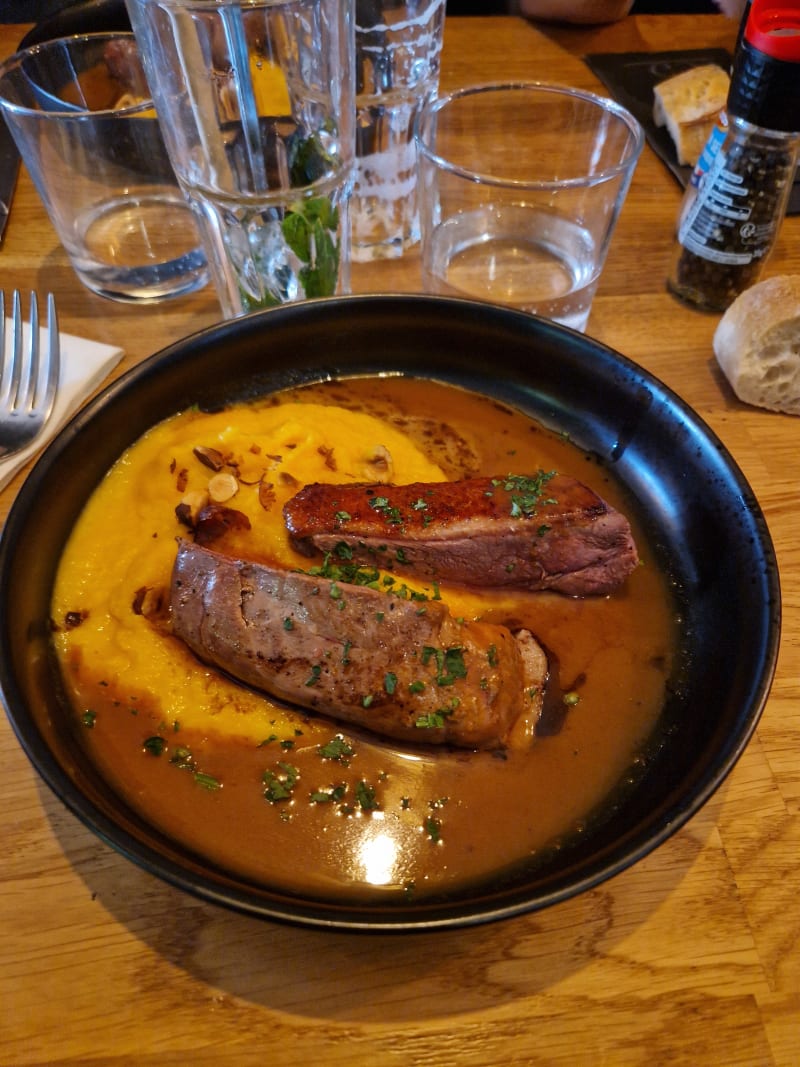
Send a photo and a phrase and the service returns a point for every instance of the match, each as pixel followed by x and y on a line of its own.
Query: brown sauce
pixel 383 820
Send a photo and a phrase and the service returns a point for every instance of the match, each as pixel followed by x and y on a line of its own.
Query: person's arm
pixel 586 11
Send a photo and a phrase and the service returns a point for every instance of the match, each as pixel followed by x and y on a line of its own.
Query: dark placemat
pixel 630 77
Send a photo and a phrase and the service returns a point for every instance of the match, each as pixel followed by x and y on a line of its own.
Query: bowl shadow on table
pixel 283 968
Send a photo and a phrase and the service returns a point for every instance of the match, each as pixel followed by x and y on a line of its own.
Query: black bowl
pixel 701 514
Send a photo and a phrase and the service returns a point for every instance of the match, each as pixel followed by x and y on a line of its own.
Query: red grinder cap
pixel 765 80
pixel 773 27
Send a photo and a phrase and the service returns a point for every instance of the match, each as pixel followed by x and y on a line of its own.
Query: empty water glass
pixel 398 51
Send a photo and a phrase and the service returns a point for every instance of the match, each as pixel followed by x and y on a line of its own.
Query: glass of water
pixel 80 112
pixel 256 101
pixel 520 186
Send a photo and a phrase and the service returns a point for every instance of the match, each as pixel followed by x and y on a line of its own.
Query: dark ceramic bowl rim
pixel 595 371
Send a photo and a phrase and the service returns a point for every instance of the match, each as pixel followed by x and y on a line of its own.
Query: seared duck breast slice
pixel 405 669
pixel 544 531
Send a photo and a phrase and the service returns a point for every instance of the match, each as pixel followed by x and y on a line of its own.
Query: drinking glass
pixel 81 115
pixel 521 185
pixel 398 51
pixel 257 106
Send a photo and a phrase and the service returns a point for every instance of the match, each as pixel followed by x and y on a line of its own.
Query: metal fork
pixel 28 378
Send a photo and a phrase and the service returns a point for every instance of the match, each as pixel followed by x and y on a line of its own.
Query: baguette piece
pixel 689 104
pixel 757 344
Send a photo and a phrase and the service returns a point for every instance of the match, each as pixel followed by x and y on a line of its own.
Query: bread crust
pixel 757 344
pixel 689 105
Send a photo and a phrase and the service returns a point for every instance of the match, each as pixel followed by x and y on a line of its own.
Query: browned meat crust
pixel 544 531
pixel 404 669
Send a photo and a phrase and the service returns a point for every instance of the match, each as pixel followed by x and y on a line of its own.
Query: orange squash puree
pixel 299 802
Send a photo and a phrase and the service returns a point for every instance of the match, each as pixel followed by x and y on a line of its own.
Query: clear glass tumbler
pixel 520 186
pixel 257 106
pixel 398 53
pixel 80 112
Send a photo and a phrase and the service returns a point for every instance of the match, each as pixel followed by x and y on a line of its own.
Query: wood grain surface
pixel 692 957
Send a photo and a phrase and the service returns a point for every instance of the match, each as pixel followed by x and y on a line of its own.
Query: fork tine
pixel 17 332
pixel 12 360
pixel 29 372
pixel 52 371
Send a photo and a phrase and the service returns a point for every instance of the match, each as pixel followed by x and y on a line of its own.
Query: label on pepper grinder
pixel 734 222
pixel 729 224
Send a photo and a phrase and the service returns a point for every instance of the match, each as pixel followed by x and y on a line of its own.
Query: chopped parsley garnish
pixel 278 785
pixel 89 718
pixel 435 720
pixel 526 492
pixel 392 514
pixel 352 573
pixel 182 757
pixel 365 795
pixel 328 796
pixel 336 749
pixel 207 781
pixel 449 663
pixel 433 828
pixel 154 745
pixel 313 678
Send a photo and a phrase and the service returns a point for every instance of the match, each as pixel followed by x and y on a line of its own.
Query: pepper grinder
pixel 731 215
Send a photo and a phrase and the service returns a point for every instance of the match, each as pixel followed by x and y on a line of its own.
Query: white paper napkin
pixel 84 365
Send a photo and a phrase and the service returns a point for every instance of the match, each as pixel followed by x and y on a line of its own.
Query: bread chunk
pixel 757 344
pixel 689 104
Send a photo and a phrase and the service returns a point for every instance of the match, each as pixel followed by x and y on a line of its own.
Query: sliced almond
pixel 192 504
pixel 222 487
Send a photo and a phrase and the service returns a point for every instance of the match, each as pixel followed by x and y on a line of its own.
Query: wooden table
pixel 691 957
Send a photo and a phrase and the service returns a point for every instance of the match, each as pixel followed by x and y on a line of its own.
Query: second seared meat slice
pixel 544 531
pixel 404 669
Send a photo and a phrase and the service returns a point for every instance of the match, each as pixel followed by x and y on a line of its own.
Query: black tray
pixel 630 78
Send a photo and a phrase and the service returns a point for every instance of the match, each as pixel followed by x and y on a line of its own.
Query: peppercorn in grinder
pixel 732 212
